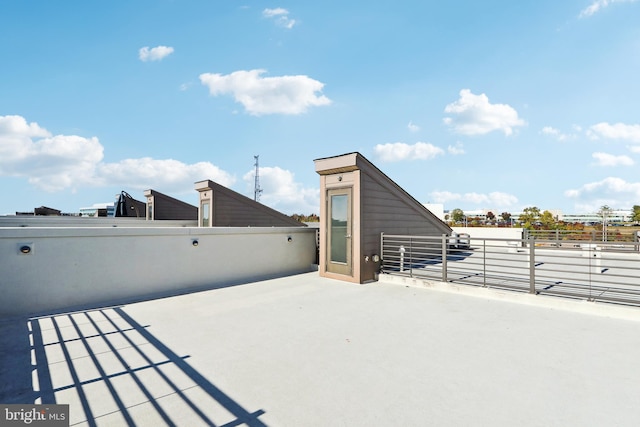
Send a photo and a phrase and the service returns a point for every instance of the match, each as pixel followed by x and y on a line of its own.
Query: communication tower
pixel 256 187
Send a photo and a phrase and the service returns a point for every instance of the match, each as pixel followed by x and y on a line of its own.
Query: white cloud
pixel 412 127
pixel 634 148
pixel 280 191
pixel 154 54
pixel 59 162
pixel 165 175
pixel 267 95
pixel 621 131
pixel 557 134
pixel 456 150
pixel 50 162
pixel 397 151
pixel 612 191
pixel 494 199
pixel 17 126
pixel 597 5
pixel 605 159
pixel 280 16
pixel 474 115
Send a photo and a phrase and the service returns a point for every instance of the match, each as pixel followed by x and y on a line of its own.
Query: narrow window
pixel 204 219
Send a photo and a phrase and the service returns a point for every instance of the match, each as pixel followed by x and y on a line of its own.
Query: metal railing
pixel 590 270
pixel 610 234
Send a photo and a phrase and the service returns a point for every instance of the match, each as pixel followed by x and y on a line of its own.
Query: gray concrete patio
pixel 309 351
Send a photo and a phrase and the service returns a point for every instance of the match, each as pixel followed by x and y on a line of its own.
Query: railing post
pixel 402 251
pixel 411 257
pixel 532 267
pixel 445 241
pixel 484 263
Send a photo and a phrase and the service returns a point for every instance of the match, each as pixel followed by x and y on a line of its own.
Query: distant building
pixel 98 210
pixel 41 211
pixel 616 215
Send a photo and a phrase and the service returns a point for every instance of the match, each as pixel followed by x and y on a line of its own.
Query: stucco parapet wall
pixel 44 232
pixel 106 222
pixel 45 269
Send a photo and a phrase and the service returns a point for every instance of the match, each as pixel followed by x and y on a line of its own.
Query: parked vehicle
pixel 460 241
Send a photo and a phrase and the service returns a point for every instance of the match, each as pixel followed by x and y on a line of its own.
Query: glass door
pixel 339 241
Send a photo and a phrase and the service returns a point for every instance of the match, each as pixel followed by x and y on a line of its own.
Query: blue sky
pixel 497 104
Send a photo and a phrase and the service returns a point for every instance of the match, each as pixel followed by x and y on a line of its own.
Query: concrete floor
pixel 309 351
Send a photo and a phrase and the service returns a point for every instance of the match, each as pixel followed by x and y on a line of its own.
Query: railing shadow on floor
pixel 108 367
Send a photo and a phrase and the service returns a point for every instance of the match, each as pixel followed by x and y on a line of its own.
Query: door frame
pixel 331 265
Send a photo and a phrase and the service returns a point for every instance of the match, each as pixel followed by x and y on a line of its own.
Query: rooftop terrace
pixel 310 351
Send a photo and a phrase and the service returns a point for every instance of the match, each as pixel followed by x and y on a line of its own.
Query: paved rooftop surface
pixel 309 351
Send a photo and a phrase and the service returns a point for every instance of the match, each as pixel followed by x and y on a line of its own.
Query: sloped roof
pixel 355 161
pixel 167 207
pixel 245 211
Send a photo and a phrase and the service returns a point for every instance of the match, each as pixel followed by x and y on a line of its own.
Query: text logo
pixel 34 415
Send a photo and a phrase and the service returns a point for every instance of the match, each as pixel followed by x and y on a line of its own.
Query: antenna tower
pixel 256 187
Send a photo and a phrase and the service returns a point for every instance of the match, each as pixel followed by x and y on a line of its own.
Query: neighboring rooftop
pixel 310 351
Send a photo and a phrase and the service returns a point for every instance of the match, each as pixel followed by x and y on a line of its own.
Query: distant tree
pixel 506 216
pixel 491 216
pixel 529 216
pixel 636 213
pixel 457 215
pixel 548 221
pixel 575 226
pixel 306 218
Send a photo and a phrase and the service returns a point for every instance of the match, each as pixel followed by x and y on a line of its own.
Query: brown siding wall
pixel 385 211
pixel 231 212
pixel 167 208
pixel 232 209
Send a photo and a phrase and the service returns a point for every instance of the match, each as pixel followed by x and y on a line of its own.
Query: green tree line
pixel 306 218
pixel 533 218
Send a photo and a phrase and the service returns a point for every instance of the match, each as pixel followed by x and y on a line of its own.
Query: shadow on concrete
pixel 149 296
pixel 107 366
pixel 419 263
